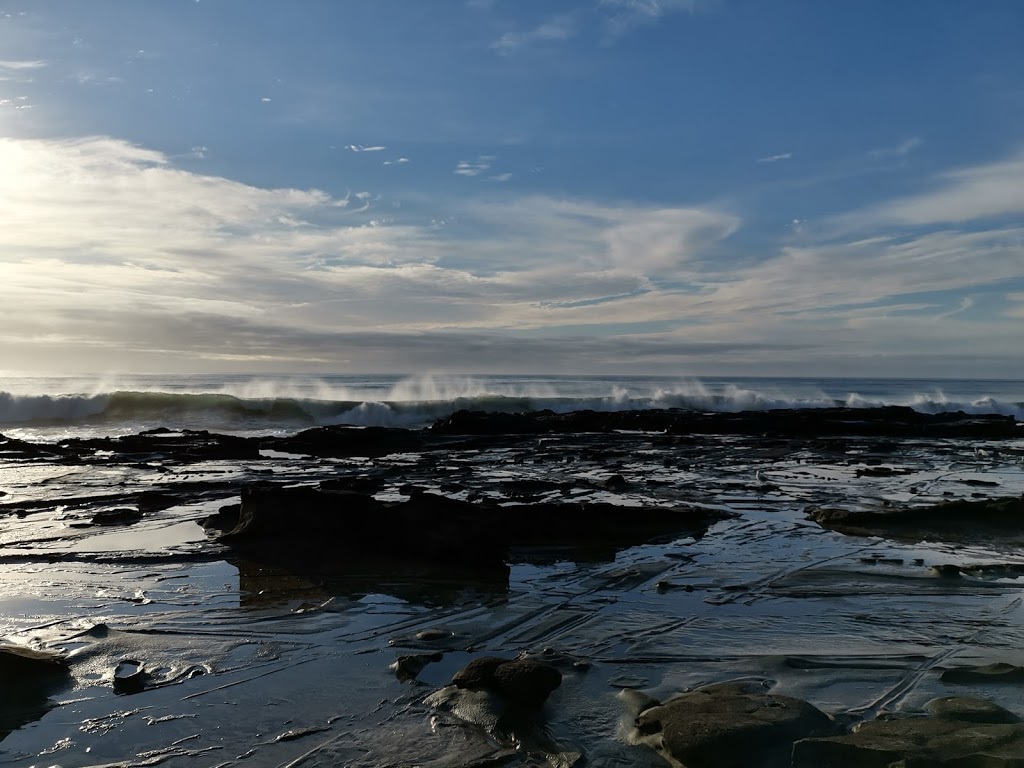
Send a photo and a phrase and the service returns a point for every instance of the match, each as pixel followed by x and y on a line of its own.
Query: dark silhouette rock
pixel 29 677
pixel 890 421
pixel 728 726
pixel 118 516
pixel 433 528
pixel 341 441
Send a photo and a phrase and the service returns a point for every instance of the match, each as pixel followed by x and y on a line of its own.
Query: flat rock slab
pixel 959 733
pixel 727 726
pixel 999 672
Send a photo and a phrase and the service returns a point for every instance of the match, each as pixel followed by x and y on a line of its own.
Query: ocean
pixel 54 408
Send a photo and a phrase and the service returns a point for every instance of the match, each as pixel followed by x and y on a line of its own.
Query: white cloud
pixel 474 168
pixel 775 158
pixel 22 65
pixel 627 14
pixel 969 194
pixel 555 29
pixel 111 253
pixel 500 177
pixel 361 148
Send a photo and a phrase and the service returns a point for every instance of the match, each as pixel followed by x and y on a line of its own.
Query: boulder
pixel 524 682
pixel 730 726
pixel 958 733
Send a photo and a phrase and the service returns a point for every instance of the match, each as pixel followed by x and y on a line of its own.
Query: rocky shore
pixel 822 587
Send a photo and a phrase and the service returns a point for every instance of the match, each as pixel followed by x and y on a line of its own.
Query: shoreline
pixel 757 591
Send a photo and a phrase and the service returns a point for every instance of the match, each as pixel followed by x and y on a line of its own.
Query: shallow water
pixel 252 664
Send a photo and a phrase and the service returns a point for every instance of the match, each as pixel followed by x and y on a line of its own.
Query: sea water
pixel 50 408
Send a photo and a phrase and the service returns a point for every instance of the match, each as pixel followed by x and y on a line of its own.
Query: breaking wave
pixel 282 406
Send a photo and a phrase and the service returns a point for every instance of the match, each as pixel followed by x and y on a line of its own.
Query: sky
pixel 676 187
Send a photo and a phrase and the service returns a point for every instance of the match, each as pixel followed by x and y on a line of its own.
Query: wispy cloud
pixel 399 161
pixel 293 277
pixel 474 168
pixel 977 192
pixel 500 177
pixel 554 29
pixel 361 148
pixel 627 14
pixel 775 158
pixel 21 65
pixel 900 150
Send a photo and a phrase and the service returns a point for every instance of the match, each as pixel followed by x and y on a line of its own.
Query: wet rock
pixel 959 733
pixel 987 673
pixel 891 421
pixel 409 667
pixel 129 676
pixel 118 516
pixel 433 528
pixel 185 446
pixel 948 520
pixel 524 682
pixel 614 483
pixel 28 677
pixel 727 726
pixel 341 441
pixel 318 524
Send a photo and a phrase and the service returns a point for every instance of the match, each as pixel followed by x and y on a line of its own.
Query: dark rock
pixel 129 676
pixel 615 482
pixel 28 677
pixel 409 667
pixel 118 516
pixel 988 673
pixel 524 682
pixel 960 733
pixel 891 421
pixel 184 446
pixel 341 441
pixel 433 528
pixel 427 527
pixel 727 726
pixel 479 673
pixel 946 520
pixel 225 519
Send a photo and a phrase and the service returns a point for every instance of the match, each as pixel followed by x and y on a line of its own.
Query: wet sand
pixel 267 663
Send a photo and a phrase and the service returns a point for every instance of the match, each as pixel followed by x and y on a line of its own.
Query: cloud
pixel 775 158
pixel 900 150
pixel 968 194
pixel 22 65
pixel 399 161
pixel 475 168
pixel 113 256
pixel 628 14
pixel 501 177
pixel 554 29
pixel 361 148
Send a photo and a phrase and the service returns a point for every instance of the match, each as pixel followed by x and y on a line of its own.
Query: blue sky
pixel 581 186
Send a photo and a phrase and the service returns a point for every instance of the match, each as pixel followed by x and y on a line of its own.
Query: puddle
pixel 143 540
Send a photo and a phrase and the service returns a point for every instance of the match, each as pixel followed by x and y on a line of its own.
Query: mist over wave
pixel 42 408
